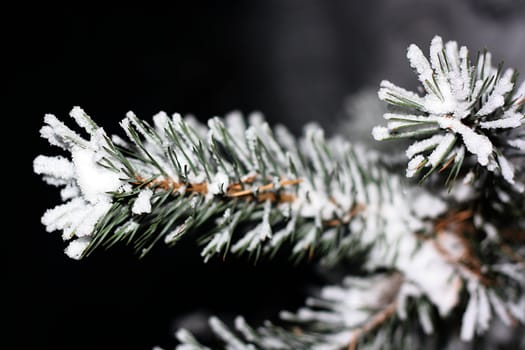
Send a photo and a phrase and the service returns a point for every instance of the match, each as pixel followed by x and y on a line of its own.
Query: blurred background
pixel 296 61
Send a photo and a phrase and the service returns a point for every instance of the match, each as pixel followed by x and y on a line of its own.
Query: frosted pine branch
pixel 468 114
pixel 254 190
pixel 364 312
pixel 241 187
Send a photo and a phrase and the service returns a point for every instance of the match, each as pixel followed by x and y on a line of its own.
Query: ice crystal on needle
pixel 466 110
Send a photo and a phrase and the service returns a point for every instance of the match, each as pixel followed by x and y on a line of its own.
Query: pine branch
pixel 238 188
pixel 340 318
pixel 242 188
pixel 470 116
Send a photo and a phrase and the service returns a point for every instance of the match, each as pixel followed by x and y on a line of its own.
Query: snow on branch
pixel 239 186
pixel 259 190
pixel 468 114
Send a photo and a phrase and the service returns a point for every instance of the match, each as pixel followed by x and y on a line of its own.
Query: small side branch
pixel 375 321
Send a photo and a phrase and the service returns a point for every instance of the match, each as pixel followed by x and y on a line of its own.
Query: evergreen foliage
pixel 240 187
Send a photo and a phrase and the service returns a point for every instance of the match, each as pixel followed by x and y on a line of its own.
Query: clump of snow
pixel 82 119
pixel 94 180
pixel 497 97
pixel 441 150
pixel 443 285
pixel 77 247
pixel 509 120
pixel 419 62
pixel 380 133
pixel 426 205
pixel 414 165
pixel 220 183
pixel 58 167
pixel 475 143
pixel 142 204
pixel 422 145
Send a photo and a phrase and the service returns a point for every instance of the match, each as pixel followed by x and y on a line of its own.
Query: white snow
pixel 442 286
pixel 58 134
pixel 119 141
pixel 160 120
pixel 227 336
pixel 217 243
pixel 517 143
pixel 426 205
pixel 69 191
pixel 142 204
pixel 419 62
pixel 477 144
pixel 94 213
pixel 423 145
pixel 380 133
pixel 390 91
pixel 151 139
pixel 484 312
pixel 57 166
pixel 407 117
pixel 94 180
pixel 424 319
pixel 448 79
pixel 285 232
pixel 242 326
pixel 82 119
pixel 452 245
pixel 174 234
pixel 77 247
pixel 468 324
pixel 252 239
pixel 436 49
pixel 507 169
pixel 59 218
pixel 442 149
pixel 497 97
pixel 235 124
pixel 414 165
pixel 509 120
pixel 220 183
pixel 184 336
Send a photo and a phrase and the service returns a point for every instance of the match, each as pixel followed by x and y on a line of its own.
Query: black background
pixel 294 60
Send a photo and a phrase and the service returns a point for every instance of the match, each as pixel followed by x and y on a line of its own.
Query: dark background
pixel 294 60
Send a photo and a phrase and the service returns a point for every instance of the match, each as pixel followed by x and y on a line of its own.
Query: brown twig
pixel 357 208
pixel 235 190
pixel 375 321
pixel 458 223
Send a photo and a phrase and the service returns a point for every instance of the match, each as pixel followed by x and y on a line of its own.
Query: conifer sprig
pixel 245 189
pixel 468 115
